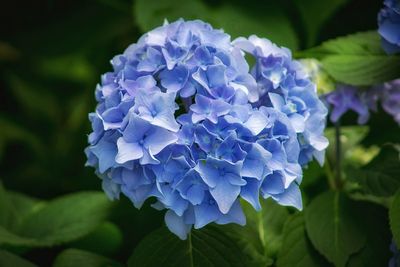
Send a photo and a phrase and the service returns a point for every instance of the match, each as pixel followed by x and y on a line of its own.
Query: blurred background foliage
pixel 52 54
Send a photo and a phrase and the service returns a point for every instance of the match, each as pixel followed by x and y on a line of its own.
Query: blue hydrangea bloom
pixel 182 120
pixel 283 84
pixel 389 26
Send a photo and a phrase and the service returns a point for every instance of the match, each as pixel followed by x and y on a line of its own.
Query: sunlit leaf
pixel 356 59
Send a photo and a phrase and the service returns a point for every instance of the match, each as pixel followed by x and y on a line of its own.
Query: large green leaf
pixel 375 226
pixel 22 206
pixel 297 250
pixel 105 240
pixel 205 247
pixel 33 223
pixel 315 13
pixel 394 215
pixel 380 177
pixel 9 238
pixel 332 228
pixel 66 218
pixel 269 223
pixel 261 237
pixel 75 257
pixel 8 259
pixel 13 209
pixel 272 23
pixel 356 59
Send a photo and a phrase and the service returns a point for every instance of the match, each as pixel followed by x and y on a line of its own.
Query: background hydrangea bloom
pixel 395 260
pixel 389 26
pixel 181 119
pixel 346 98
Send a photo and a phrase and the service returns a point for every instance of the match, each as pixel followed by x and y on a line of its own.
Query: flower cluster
pixel 284 85
pixel 346 98
pixel 183 120
pixel 389 26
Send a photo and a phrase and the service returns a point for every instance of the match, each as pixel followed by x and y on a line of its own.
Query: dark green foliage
pixel 207 247
pixel 297 250
pixel 381 176
pixel 332 227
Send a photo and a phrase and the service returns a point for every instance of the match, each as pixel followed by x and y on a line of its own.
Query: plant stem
pixel 329 174
pixel 190 250
pixel 338 155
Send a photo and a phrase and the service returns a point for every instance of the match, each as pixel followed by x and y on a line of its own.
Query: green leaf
pixel 297 250
pixel 66 218
pixel 9 238
pixel 206 247
pixel 269 222
pixel 248 239
pixel 356 59
pixel 315 13
pixel 105 240
pixel 32 223
pixel 261 237
pixel 8 259
pixel 272 23
pixel 375 226
pixel 394 216
pixel 5 207
pixel 22 207
pixel 380 177
pixel 75 257
pixel 332 229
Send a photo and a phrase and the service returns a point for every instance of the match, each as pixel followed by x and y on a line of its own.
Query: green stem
pixel 329 174
pixel 190 250
pixel 338 155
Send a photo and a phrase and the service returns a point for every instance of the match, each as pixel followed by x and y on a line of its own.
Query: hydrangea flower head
pixel 180 119
pixel 389 26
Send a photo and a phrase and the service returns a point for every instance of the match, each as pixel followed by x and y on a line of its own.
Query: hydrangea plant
pixel 182 118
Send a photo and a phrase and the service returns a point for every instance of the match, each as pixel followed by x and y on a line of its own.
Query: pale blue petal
pixel 128 151
pixel 176 224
